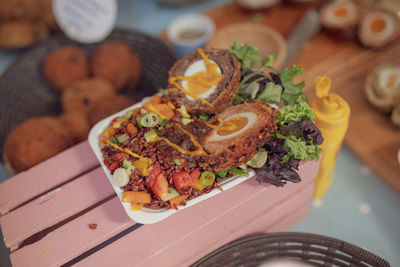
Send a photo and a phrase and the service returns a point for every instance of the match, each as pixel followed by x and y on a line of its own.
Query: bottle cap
pixel 329 106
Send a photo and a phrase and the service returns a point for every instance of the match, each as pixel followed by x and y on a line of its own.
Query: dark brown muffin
pixel 34 141
pixel 117 63
pixel 65 66
pixel 77 125
pixel 107 106
pixel 81 96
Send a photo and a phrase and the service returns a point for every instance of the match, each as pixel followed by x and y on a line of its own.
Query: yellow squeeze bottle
pixel 332 113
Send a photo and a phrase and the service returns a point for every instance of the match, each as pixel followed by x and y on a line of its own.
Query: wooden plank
pixel 185 221
pixel 45 176
pixel 55 206
pixel 206 239
pixel 203 227
pixel 74 238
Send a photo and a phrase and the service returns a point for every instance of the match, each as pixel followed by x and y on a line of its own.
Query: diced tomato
pixel 121 155
pixel 195 174
pixel 183 179
pixel 153 173
pixel 113 166
pixel 157 182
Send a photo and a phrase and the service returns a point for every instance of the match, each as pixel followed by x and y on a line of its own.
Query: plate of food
pixel 225 115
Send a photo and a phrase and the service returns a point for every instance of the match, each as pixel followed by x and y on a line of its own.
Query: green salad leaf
pixel 294 112
pixel 247 55
pixel 271 94
pixel 292 91
pixel 299 149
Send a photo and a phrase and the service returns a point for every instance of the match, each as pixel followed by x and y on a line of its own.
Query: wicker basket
pixel 314 250
pixel 24 92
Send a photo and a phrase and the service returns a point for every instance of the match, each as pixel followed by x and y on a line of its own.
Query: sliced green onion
pixel 222 174
pixel 163 122
pixel 112 139
pixel 163 92
pixel 186 121
pixel 122 138
pixel 239 171
pixel 177 162
pixel 204 117
pixel 129 170
pixel 151 136
pixel 139 123
pixel 129 115
pixel 126 163
pixel 207 178
pixel 149 119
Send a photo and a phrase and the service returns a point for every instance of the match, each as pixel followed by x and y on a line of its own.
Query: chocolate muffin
pixel 65 66
pixel 219 97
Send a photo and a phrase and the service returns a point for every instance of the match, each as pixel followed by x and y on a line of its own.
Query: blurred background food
pixel 340 17
pixel 65 66
pixel 382 88
pixel 33 141
pixel 117 63
pixel 256 5
pixel 24 22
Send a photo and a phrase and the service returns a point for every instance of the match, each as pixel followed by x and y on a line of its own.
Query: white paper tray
pixel 146 215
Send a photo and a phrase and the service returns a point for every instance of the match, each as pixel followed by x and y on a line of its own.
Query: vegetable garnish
pixel 296 138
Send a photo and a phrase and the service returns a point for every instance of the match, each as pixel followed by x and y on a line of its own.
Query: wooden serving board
pixel 370 134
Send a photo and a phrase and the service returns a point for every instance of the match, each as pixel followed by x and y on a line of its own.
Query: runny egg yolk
pixel 238 122
pixel 200 82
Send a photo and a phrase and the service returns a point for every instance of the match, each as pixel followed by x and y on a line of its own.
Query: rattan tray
pixel 24 93
pixel 314 250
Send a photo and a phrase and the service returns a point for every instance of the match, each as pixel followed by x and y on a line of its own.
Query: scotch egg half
pixel 203 83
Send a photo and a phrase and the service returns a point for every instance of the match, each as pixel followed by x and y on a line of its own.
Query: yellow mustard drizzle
pixel 126 150
pixel 201 81
pixel 198 151
pixel 153 109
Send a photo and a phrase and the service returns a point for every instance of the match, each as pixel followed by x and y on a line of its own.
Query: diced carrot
pixel 162 109
pixel 106 135
pixel 136 197
pixel 176 201
pixel 156 99
pixel 131 128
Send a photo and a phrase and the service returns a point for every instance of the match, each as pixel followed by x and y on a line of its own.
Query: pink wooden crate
pixel 47 210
